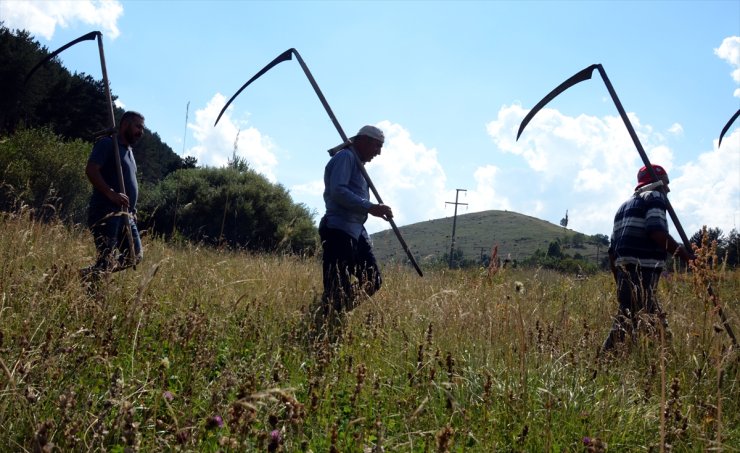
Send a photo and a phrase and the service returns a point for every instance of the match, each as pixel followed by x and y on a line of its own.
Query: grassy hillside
pixel 205 350
pixel 516 235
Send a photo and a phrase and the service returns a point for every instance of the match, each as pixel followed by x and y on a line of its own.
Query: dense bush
pixel 40 170
pixel 236 207
pixel 228 206
pixel 555 259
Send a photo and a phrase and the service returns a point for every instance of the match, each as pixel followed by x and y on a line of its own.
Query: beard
pixel 130 135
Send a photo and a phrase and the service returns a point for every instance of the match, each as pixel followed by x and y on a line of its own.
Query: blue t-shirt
pixel 102 154
pixel 346 194
pixel 635 220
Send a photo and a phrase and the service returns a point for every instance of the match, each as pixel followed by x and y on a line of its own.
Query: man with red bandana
pixel 637 254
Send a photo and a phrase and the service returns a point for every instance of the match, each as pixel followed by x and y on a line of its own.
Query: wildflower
pixel 519 286
pixel 275 441
pixel 167 395
pixel 594 445
pixel 275 436
pixel 215 422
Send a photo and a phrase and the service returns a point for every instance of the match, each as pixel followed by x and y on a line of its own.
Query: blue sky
pixel 448 82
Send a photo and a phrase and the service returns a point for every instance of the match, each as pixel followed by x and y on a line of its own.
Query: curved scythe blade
pixel 582 75
pixel 285 56
pixel 88 37
pixel 727 126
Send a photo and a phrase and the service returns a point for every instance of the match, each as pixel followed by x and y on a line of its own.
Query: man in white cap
pixel 346 244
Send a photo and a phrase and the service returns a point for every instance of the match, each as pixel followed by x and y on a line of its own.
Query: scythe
pixel 727 126
pixel 288 55
pixel 111 130
pixel 585 74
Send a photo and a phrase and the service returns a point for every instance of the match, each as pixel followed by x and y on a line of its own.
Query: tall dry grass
pixel 206 350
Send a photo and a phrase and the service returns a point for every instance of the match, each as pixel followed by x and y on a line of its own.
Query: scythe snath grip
pixel 287 55
pixel 585 74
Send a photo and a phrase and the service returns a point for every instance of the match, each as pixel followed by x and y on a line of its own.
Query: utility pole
pixel 185 134
pixel 454 222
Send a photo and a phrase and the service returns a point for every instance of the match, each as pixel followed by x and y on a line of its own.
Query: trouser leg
pixel 111 242
pixel 629 298
pixel 338 260
pixel 367 270
pixel 636 293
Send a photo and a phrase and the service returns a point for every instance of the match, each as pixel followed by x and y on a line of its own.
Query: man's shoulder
pixel 344 157
pixel 344 154
pixel 101 149
pixel 653 197
pixel 103 141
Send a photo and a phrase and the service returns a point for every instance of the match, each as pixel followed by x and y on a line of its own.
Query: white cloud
pixel 408 177
pixel 729 51
pixel 42 17
pixel 572 163
pixel 707 190
pixel 215 145
pixel 486 194
pixel 588 165
pixel 676 129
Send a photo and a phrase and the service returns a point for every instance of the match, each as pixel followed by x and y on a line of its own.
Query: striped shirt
pixel 635 220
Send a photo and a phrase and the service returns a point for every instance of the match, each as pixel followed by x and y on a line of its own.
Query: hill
pixel 518 236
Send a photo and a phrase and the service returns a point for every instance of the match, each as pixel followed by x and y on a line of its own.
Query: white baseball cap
pixel 372 132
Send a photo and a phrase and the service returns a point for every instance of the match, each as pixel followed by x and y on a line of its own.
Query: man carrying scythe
pixel 647 176
pixel 347 250
pixel 112 171
pixel 112 206
pixel 347 246
pixel 637 255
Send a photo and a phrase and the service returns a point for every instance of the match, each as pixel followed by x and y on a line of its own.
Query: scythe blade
pixel 88 37
pixel 727 126
pixel 285 56
pixel 582 75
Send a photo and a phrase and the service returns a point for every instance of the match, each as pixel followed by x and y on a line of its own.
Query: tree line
pixel 47 128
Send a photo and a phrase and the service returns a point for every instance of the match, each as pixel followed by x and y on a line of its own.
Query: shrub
pixel 41 170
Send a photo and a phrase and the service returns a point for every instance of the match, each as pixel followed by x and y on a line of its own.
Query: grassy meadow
pixel 206 350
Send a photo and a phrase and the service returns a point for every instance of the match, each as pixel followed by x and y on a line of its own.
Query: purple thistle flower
pixel 586 441
pixel 275 436
pixel 168 395
pixel 276 439
pixel 215 422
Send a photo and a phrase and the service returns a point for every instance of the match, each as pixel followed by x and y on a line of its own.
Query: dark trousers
pixel 111 242
pixel 345 259
pixel 636 293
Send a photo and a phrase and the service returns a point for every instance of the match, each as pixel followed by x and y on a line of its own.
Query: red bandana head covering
pixel 643 176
